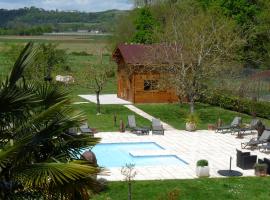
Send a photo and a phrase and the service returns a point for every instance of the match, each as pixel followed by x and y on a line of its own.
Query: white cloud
pixel 82 5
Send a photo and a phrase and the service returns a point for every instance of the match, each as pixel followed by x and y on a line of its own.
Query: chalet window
pixel 150 85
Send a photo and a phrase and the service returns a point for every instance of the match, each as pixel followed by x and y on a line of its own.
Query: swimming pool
pixel 118 155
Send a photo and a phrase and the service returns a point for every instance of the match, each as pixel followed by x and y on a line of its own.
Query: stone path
pixel 105 99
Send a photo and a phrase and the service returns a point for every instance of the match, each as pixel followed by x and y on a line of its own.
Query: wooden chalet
pixel 137 83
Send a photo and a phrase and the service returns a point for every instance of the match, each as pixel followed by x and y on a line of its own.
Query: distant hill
pixel 36 18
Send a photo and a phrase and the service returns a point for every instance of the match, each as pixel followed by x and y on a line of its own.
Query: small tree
pixel 96 77
pixel 129 172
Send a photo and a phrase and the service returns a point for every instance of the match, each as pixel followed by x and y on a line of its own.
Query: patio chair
pixel 85 129
pixel 230 128
pixel 157 128
pixel 134 128
pixel 253 126
pixel 254 142
pixel 244 160
pixel 73 131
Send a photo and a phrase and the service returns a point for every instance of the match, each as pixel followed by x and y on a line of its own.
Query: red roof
pixel 138 54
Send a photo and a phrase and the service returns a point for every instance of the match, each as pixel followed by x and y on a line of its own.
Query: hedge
pixel 242 105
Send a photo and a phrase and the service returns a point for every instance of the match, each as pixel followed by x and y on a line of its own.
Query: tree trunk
pixel 129 191
pixel 98 102
pixel 192 105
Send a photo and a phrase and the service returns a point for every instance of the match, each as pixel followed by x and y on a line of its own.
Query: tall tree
pixel 145 25
pixel 197 45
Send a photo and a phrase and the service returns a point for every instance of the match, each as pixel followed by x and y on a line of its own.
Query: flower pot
pixel 191 126
pixel 203 171
pixel 261 172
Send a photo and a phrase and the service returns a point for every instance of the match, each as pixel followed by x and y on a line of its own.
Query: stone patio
pixel 189 146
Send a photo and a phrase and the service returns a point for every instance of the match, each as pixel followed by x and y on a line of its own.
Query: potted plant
pixel 202 169
pixel 191 122
pixel 260 169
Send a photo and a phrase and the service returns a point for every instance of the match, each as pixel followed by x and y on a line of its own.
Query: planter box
pixel 261 172
pixel 212 127
pixel 203 171
pixel 191 126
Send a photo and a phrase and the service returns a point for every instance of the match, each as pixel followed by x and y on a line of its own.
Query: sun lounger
pixel 252 127
pixel 157 128
pixel 230 128
pixel 134 128
pixel 85 129
pixel 254 142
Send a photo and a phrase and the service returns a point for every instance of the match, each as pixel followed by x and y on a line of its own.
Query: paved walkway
pixel 147 116
pixel 105 99
pixel 189 146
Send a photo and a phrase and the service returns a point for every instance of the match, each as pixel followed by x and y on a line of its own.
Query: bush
pixel 242 105
pixel 192 118
pixel 202 163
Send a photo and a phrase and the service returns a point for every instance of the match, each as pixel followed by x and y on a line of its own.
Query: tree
pixel 129 173
pixel 197 45
pixel 48 59
pixel 95 78
pixel 252 19
pixel 145 25
pixel 38 157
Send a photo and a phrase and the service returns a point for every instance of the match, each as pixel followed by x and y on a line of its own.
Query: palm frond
pixel 25 59
pixel 45 175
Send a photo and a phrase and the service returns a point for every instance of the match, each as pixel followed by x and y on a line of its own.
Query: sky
pixel 81 5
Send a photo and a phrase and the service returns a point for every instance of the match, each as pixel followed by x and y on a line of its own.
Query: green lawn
pixel 251 188
pixel 105 121
pixel 175 114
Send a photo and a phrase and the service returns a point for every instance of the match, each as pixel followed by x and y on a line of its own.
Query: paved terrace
pixel 189 146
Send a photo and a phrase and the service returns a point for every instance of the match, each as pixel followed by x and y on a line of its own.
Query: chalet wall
pixel 125 84
pixel 151 96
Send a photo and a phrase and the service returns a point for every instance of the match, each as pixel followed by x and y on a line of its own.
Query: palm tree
pixel 38 158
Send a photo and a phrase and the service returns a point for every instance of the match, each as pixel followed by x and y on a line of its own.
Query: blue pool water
pixel 117 155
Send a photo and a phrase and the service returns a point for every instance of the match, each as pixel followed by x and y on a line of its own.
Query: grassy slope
pixel 105 122
pixel 175 114
pixel 196 189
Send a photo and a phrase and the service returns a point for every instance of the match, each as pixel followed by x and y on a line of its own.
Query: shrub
pixel 260 166
pixel 242 105
pixel 192 118
pixel 202 163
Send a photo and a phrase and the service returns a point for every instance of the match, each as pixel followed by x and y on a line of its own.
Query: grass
pixel 248 188
pixel 175 114
pixel 93 45
pixel 105 121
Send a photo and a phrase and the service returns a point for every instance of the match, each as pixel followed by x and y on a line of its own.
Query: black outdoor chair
pixel 265 161
pixel 244 160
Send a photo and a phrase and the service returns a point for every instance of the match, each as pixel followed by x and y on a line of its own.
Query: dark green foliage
pixel 253 20
pixel 243 105
pixel 35 21
pixel 202 163
pixel 145 25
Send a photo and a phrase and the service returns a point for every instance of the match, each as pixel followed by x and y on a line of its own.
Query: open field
pixel 175 114
pixel 91 46
pixel 196 189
